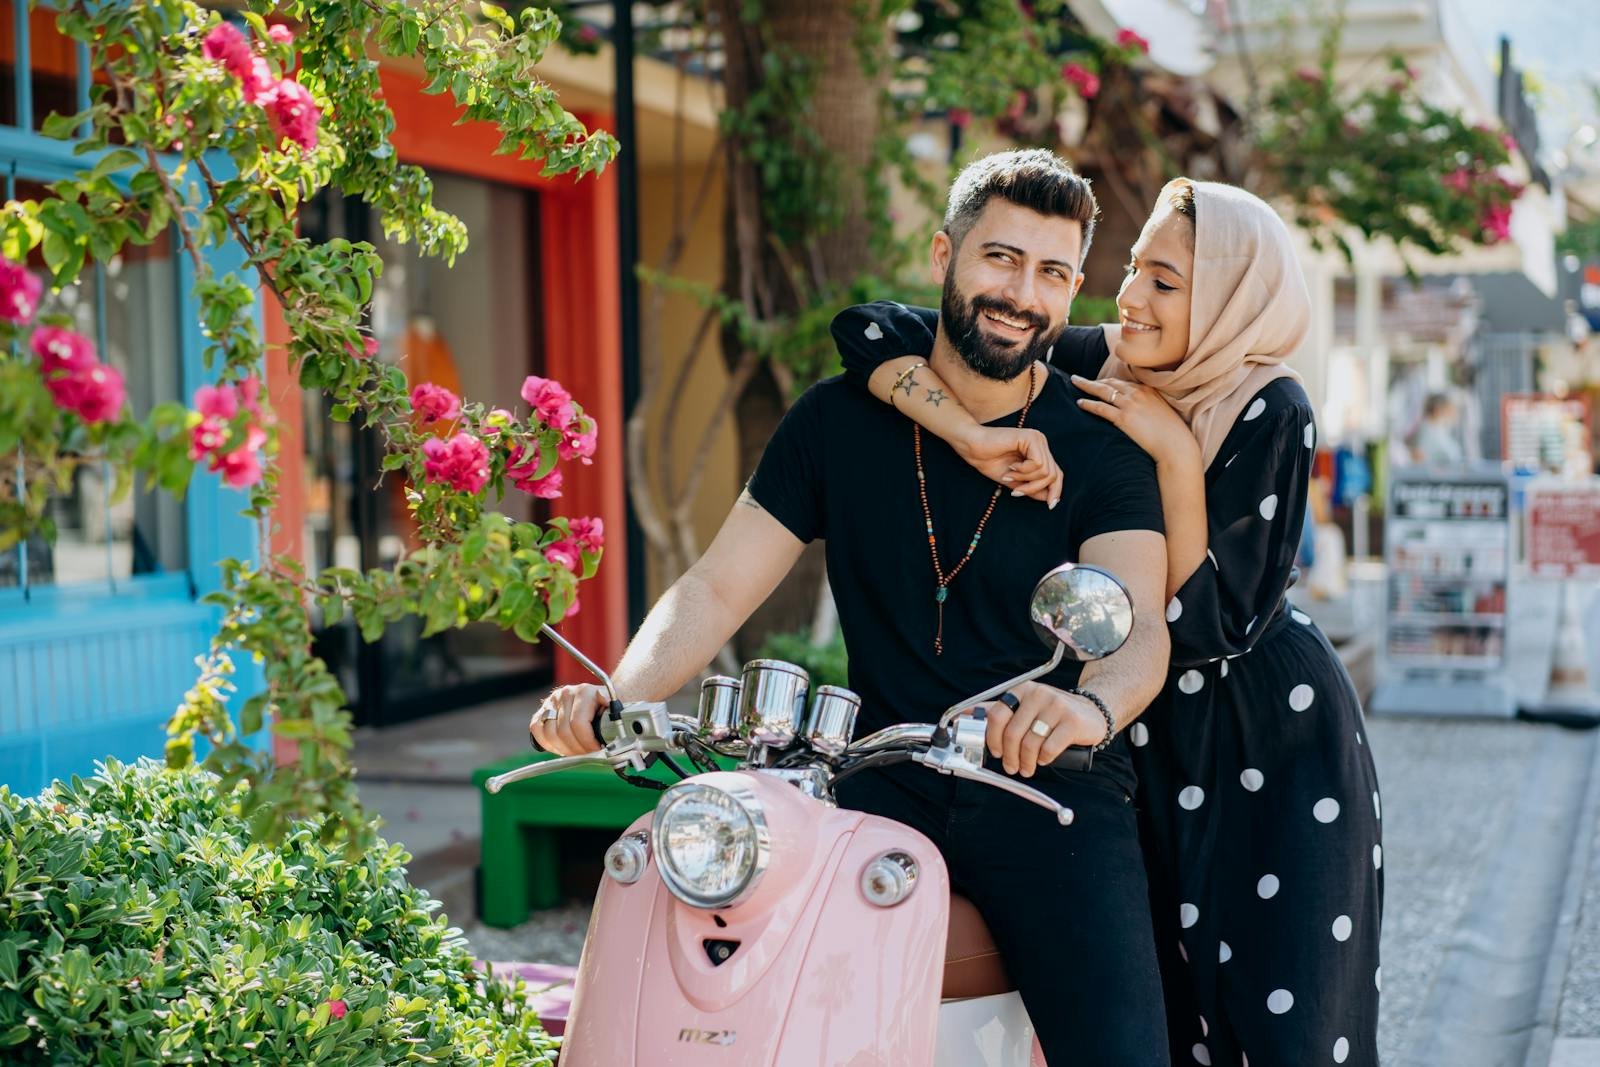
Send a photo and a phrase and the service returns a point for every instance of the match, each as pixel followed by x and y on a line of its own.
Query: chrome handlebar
pixel 646 728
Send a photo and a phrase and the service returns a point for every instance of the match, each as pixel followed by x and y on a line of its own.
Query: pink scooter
pixel 750 921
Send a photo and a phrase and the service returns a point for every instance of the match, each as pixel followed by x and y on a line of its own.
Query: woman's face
pixel 1153 302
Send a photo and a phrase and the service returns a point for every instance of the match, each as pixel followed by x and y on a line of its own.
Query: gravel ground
pixel 554 936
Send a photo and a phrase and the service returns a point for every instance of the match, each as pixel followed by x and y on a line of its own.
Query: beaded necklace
pixel 942 589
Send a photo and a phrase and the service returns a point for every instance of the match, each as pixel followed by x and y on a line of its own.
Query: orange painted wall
pixel 583 350
pixel 582 329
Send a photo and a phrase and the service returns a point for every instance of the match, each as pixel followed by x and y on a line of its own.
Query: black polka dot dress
pixel 1260 814
pixel 1261 818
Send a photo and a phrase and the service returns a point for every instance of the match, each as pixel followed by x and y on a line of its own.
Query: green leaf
pixel 498 14
pixel 473 544
pixel 250 715
pixel 515 600
pixel 115 160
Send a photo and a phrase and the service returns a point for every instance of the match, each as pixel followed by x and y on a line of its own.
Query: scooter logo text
pixel 708 1037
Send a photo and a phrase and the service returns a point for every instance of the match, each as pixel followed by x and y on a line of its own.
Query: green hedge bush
pixel 140 925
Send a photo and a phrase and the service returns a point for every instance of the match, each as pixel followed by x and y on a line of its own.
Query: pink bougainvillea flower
pixel 216 402
pixel 62 350
pixel 256 83
pixel 1083 79
pixel 522 467
pixel 572 609
pixel 549 400
pixel 461 462
pixel 226 45
pixel 565 554
pixel 588 34
pixel 435 403
pixel 1496 223
pixel 249 392
pixel 1127 38
pixel 369 348
pixel 336 1008
pixel 94 393
pixel 293 114
pixel 580 441
pixel 1309 75
pixel 546 488
pixel 208 435
pixel 240 467
pixel 278 33
pixel 20 290
pixel 1459 179
pixel 589 533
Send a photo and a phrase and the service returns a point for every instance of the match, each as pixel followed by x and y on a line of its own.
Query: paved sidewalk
pixel 1480 832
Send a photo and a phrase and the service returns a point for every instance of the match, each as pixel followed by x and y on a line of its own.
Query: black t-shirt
pixel 841 467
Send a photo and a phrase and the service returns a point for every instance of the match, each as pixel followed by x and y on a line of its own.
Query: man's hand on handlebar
pixel 565 721
pixel 1072 721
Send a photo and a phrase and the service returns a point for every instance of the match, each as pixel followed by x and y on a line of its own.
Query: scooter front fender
pixel 820 977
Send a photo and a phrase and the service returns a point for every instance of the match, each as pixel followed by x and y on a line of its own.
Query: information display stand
pixel 1448 547
pixel 1564 545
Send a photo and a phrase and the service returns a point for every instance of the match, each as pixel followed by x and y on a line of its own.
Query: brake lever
pixel 948 761
pixel 534 770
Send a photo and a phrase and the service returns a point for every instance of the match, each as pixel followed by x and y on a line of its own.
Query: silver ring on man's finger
pixel 1114 395
pixel 1040 728
pixel 550 714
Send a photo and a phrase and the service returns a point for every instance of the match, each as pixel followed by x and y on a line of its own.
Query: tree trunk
pixel 772 279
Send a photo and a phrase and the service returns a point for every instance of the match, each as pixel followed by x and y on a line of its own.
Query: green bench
pixel 520 868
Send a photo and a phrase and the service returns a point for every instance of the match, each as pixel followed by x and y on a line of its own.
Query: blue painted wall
pixel 93 671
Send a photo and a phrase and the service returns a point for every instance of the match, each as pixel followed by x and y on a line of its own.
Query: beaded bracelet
pixel 895 388
pixel 1111 723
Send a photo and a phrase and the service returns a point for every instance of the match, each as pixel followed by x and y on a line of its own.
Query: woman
pixel 1260 809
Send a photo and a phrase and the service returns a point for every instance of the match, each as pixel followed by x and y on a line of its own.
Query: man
pixel 1067 906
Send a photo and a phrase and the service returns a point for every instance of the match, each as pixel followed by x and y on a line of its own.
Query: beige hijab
pixel 1249 311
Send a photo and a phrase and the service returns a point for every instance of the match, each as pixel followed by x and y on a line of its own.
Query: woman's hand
pixel 1017 458
pixel 1140 412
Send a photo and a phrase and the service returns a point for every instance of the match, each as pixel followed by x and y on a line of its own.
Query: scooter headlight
pixel 710 842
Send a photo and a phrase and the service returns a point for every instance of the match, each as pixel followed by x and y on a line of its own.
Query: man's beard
pixel 986 357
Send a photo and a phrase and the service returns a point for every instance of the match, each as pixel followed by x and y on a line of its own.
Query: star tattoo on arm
pixel 936 396
pixel 907 385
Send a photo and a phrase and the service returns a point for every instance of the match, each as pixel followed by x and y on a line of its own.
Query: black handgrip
pixel 614 710
pixel 1075 758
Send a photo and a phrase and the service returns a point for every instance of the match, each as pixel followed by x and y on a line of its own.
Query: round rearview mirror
pixel 1085 608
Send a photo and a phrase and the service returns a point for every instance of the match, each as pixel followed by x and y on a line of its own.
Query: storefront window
pixel 128 307
pixel 472 327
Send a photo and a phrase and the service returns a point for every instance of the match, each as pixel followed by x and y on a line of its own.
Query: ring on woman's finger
pixel 1114 395
pixel 550 714
pixel 1040 728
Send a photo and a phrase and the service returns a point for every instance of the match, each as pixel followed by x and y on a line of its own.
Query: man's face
pixel 1008 288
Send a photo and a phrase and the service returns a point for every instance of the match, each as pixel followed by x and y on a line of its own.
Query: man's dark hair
pixel 1034 178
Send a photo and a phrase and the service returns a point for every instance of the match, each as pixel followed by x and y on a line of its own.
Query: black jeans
pixel 1068 907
